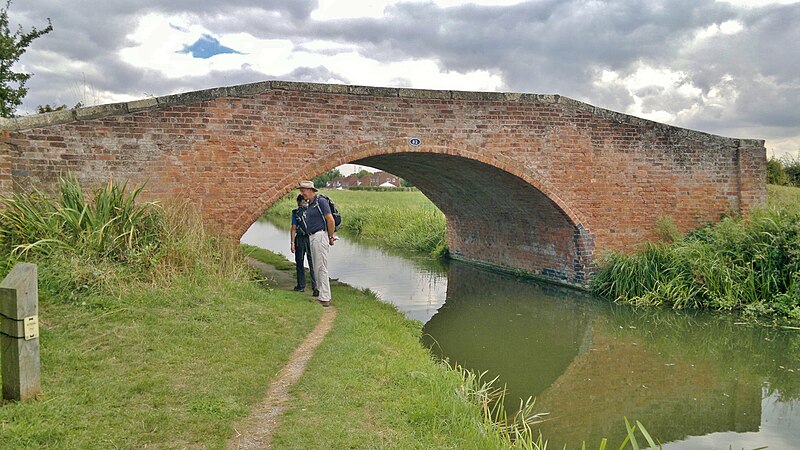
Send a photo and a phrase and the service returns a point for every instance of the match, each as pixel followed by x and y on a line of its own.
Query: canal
pixel 696 380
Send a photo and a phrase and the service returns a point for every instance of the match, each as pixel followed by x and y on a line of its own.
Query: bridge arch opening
pixel 494 217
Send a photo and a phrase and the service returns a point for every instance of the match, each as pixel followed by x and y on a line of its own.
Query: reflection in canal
pixel 697 381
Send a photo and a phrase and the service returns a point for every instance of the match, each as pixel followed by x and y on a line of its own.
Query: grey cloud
pixel 89 29
pixel 545 46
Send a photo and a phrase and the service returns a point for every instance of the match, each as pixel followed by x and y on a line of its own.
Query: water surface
pixel 697 381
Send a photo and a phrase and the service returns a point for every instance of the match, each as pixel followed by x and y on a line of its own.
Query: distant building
pixel 383 179
pixel 344 182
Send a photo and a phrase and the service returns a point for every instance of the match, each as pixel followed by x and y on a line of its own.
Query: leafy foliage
pixel 12 47
pixel 111 226
pixel 784 171
pixel 41 109
pixel 321 180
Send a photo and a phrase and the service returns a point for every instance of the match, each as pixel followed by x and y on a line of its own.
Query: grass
pixel 752 265
pixel 404 220
pixel 163 340
pixel 268 257
pixel 166 340
pixel 371 384
pixel 783 197
pixel 166 367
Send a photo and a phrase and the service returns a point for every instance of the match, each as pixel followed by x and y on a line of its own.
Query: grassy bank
pixel 751 265
pixel 154 334
pixel 165 367
pixel 158 341
pixel 401 220
pixel 371 384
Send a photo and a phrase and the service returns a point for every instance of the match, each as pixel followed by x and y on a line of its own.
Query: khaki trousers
pixel 319 254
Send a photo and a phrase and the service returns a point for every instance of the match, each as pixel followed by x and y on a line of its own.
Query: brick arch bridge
pixel 538 183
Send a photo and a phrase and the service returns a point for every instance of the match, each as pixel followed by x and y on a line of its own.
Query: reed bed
pixel 106 239
pixel 750 265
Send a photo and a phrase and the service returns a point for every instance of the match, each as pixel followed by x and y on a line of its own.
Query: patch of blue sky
pixel 206 47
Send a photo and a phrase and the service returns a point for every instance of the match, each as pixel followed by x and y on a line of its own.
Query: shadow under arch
pixel 496 214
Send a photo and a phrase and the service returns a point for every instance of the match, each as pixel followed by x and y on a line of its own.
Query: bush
pixel 792 168
pixel 776 174
pixel 784 171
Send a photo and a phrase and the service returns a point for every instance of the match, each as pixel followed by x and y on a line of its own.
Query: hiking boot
pixel 315 293
pixel 299 289
pixel 324 303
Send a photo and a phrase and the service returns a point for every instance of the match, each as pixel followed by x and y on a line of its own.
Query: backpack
pixel 300 219
pixel 337 217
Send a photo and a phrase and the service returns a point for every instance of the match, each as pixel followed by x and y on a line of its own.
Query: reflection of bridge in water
pixel 590 363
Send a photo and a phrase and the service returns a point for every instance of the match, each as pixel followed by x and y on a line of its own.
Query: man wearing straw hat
pixel 321 227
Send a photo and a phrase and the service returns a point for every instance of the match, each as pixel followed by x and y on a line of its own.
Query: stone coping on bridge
pixel 246 90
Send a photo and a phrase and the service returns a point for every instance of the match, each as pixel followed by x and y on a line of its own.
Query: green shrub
pixel 784 171
pixel 792 168
pixel 776 174
pixel 666 229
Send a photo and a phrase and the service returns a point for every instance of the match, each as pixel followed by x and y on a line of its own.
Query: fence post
pixel 19 333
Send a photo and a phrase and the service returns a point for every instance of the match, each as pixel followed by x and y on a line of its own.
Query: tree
pixel 322 179
pixel 363 173
pixel 12 46
pixel 776 174
pixel 792 167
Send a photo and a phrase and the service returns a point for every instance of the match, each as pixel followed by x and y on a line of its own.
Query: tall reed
pixel 751 265
pixel 108 239
pixel 516 432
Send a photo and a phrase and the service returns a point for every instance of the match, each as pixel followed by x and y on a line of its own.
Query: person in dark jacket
pixel 301 246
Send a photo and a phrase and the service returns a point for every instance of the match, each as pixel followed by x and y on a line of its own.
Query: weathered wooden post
pixel 19 333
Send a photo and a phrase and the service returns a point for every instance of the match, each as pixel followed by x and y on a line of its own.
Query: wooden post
pixel 19 333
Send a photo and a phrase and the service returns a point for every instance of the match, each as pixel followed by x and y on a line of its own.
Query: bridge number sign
pixel 416 142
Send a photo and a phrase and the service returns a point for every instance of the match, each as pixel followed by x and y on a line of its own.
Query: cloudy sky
pixel 724 67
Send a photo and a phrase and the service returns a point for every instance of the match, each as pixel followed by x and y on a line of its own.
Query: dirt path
pixel 255 432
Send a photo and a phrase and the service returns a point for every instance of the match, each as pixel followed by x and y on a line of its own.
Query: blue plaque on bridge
pixel 416 142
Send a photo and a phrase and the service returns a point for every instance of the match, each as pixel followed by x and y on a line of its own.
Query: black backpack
pixel 337 217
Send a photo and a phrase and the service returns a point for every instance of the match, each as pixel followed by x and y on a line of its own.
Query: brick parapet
pixel 246 90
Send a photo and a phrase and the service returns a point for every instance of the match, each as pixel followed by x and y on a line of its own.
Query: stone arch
pixel 497 213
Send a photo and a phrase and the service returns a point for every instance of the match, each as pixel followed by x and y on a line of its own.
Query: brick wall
pixel 534 182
